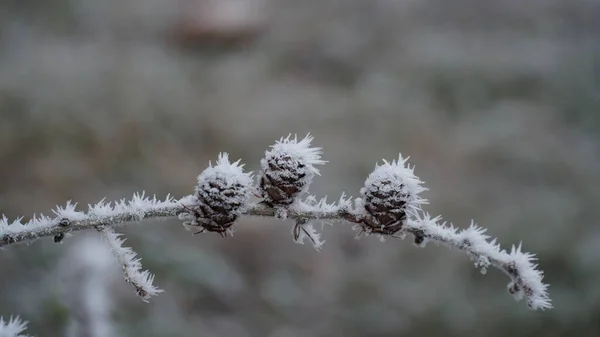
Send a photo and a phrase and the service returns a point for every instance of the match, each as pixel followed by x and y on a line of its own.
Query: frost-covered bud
pixel 222 192
pixel 287 170
pixel 390 195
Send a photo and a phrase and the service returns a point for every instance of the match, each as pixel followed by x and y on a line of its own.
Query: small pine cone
pixel 390 196
pixel 287 170
pixel 222 192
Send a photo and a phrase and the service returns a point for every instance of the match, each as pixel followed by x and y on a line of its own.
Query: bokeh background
pixel 496 102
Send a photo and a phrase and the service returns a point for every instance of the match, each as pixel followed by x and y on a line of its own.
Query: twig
pixel 390 205
pixel 526 280
pixel 69 220
pixel 139 208
pixel 141 280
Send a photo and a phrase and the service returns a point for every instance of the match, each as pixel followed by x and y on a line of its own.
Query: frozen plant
pixel 390 205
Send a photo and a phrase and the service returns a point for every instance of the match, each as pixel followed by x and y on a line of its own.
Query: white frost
pixel 13 327
pixel 137 207
pixel 225 181
pixel 311 204
pixel 300 159
pixel 299 150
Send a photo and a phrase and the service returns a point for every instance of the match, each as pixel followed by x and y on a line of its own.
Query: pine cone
pixel 387 207
pixel 390 196
pixel 222 192
pixel 283 180
pixel 287 170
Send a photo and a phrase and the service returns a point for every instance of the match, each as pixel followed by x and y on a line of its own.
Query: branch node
pixel 59 237
pixel 281 213
pixel 420 239
pixel 8 239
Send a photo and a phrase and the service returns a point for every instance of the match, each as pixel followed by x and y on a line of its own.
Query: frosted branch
pixel 67 219
pixel 389 205
pixel 526 279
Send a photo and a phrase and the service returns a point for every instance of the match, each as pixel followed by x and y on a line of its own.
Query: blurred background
pixel 496 102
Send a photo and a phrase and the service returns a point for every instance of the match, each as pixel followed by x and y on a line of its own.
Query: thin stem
pixel 338 214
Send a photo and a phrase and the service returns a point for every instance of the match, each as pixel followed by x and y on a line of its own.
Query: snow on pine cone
pixel 222 192
pixel 390 196
pixel 287 170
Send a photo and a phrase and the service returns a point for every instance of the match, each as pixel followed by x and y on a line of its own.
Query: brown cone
pixel 386 207
pixel 217 205
pixel 282 181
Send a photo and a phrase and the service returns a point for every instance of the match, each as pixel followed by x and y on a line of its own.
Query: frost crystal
pixel 69 212
pixel 13 327
pixel 288 169
pixel 311 204
pixel 226 183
